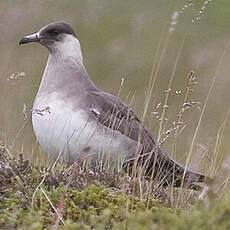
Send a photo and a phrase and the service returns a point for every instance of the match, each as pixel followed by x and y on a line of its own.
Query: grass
pixel 80 197
pixel 83 198
pixel 40 199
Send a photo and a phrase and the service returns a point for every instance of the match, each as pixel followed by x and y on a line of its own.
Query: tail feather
pixel 162 168
pixel 176 175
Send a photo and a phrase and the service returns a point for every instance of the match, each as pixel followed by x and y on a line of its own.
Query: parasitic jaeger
pixel 72 118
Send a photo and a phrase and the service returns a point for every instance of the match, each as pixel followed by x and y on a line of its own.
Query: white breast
pixel 62 131
pixel 69 135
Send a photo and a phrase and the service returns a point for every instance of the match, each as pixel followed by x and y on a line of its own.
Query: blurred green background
pixel 120 40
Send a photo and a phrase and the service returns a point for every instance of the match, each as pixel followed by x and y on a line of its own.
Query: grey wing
pixel 114 114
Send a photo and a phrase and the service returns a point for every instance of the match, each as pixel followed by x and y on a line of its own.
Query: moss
pixel 91 207
pixel 84 203
pixel 96 207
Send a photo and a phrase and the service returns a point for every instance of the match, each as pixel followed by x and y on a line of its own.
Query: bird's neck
pixel 65 69
pixel 69 50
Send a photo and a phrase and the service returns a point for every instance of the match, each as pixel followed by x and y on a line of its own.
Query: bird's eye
pixel 53 32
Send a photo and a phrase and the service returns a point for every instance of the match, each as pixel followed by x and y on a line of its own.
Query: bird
pixel 73 119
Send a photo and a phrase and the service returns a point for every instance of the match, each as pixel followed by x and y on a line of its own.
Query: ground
pixel 63 198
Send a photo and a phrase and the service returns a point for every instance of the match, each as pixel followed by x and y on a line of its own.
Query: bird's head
pixel 57 37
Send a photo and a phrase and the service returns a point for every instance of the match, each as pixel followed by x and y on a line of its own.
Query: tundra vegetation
pixel 178 54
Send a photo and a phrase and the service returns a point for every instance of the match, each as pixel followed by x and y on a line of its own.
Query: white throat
pixel 69 47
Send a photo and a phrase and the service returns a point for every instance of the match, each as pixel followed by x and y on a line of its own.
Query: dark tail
pixel 170 173
pixel 167 172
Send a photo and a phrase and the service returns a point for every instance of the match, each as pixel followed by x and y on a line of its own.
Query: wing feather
pixel 117 116
pixel 114 114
